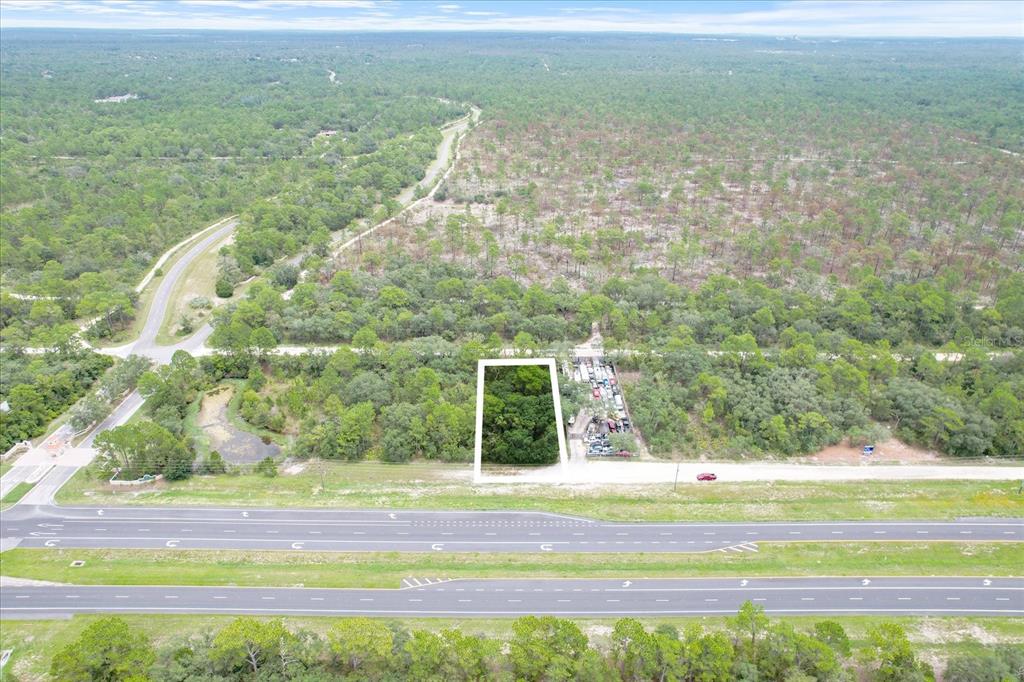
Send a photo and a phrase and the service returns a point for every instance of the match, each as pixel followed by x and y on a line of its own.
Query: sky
pixel 833 18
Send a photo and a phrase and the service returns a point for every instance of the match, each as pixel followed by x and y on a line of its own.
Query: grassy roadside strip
pixel 936 638
pixel 17 492
pixel 435 486
pixel 386 569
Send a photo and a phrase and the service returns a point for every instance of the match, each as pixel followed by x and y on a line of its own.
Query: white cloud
pixel 29 5
pixel 599 9
pixel 841 18
pixel 284 4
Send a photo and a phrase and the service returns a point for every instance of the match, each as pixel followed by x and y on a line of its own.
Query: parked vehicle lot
pixel 607 407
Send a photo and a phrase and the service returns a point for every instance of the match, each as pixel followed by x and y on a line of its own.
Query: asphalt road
pixel 448 531
pixel 597 598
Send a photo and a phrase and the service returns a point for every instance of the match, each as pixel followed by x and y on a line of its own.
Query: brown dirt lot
pixel 892 451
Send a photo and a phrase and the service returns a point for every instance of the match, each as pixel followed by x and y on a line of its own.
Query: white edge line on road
pixel 910 610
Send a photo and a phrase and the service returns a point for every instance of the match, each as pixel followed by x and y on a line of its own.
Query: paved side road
pixel 418 531
pixel 511 598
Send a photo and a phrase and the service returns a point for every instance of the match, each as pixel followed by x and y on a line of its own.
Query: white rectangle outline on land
pixel 563 456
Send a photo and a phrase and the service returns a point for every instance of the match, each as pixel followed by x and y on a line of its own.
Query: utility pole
pixel 676 481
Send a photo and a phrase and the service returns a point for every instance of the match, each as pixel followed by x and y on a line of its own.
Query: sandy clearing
pixel 892 451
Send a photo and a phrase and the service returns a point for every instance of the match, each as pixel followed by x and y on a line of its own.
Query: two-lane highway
pixel 509 598
pixel 470 531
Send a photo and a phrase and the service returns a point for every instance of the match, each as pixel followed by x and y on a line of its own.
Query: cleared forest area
pixel 733 158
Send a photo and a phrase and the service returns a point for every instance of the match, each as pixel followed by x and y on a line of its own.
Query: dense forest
pixel 731 367
pixel 38 388
pixel 96 188
pixel 751 647
pixel 519 416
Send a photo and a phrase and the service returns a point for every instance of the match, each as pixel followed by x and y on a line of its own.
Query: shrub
pixel 224 288
pixel 267 467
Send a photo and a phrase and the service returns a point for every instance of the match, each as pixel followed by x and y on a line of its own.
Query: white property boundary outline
pixel 481 367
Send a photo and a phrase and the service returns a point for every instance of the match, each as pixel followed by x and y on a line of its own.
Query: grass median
pixel 437 486
pixel 17 492
pixel 386 569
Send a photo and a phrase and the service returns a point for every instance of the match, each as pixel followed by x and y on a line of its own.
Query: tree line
pixel 733 366
pixel 750 647
pixel 38 388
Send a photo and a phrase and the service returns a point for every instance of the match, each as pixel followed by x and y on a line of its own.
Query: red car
pixel 623 453
pixel 707 477
pixel 597 393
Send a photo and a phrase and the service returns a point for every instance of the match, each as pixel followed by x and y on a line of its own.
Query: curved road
pixel 445 531
pixel 509 598
pixel 64 460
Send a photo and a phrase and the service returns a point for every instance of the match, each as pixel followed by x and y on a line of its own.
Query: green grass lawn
pixel 17 492
pixel 386 569
pixel 441 486
pixel 36 641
